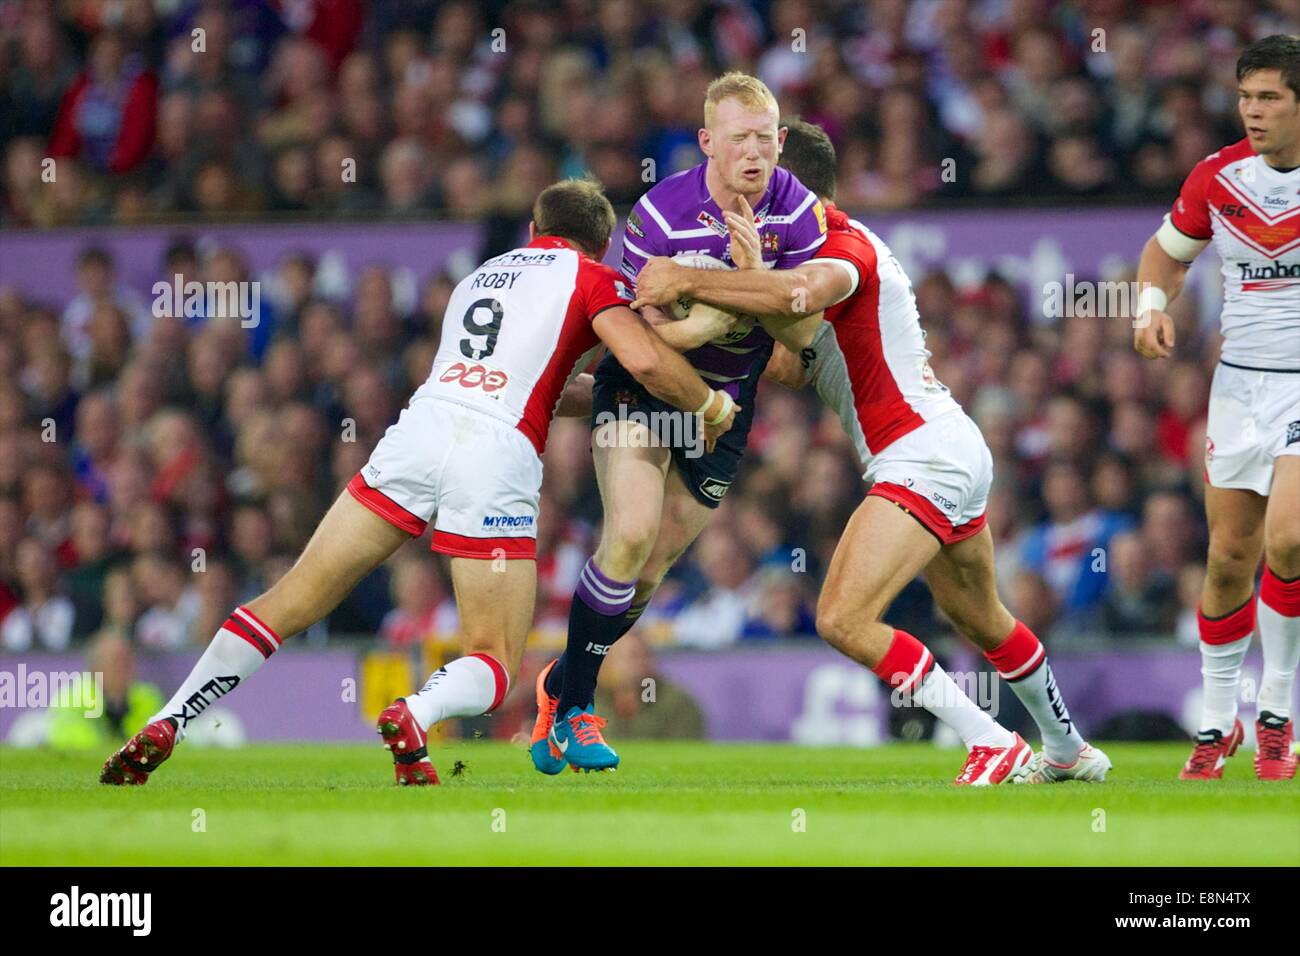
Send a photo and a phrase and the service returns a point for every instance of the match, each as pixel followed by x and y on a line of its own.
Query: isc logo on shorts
pixel 1293 433
pixel 713 488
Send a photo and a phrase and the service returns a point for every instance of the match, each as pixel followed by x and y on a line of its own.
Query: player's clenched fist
pixel 1153 336
pixel 659 282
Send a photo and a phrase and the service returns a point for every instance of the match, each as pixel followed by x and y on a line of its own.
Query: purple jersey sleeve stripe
pixel 807 249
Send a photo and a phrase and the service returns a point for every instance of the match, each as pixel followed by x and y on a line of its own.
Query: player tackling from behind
pixel 930 466
pixel 1246 200
pixel 465 455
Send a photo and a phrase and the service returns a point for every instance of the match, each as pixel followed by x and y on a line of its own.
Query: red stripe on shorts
pixel 461 546
pixel 385 507
pixel 927 513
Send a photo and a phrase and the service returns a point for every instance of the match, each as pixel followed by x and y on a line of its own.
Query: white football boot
pixel 1090 766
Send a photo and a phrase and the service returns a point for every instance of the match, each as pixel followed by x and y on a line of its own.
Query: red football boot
pixel 408 744
pixel 1211 752
pixel 1274 759
pixel 140 756
pixel 986 766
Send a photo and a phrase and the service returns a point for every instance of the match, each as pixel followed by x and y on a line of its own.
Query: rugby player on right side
pixel 850 315
pixel 1246 199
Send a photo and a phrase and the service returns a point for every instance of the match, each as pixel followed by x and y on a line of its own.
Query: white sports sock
pixel 1280 637
pixel 1221 678
pixel 465 687
pixel 1022 662
pixel 241 646
pixel 1062 741
pixel 942 697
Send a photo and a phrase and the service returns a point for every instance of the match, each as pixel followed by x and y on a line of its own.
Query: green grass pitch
pixel 671 803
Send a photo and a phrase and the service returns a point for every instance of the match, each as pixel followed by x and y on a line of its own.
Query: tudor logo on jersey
pixel 1252 213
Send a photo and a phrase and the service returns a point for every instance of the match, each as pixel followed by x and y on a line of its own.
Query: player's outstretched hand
pixel 746 247
pixel 1153 334
pixel 658 282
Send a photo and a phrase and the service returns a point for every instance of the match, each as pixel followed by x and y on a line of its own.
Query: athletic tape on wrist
pixel 727 405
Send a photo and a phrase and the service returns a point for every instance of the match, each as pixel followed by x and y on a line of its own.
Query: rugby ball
pixel 693 260
pixel 682 305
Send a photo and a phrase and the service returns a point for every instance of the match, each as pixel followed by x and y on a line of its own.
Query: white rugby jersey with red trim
pixel 871 364
pixel 518 328
pixel 1252 213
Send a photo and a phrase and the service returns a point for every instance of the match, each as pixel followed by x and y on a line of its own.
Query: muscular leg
pixel 1236 520
pixel 684 517
pixel 881 550
pixel 682 520
pixel 1226 617
pixel 631 477
pixel 496 612
pixel 1279 592
pixel 964 584
pixel 631 481
pixel 495 607
pixel 350 542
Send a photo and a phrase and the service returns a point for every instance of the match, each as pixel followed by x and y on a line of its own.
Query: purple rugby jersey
pixel 679 216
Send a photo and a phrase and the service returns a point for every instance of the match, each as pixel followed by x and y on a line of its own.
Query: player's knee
pixel 1282 547
pixel 1228 562
pixel 494 646
pixel 838 618
pixel 626 548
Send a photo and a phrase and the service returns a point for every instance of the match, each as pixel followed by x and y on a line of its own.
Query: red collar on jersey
pixel 553 242
pixel 835 217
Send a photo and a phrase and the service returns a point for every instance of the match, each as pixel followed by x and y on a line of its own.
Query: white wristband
pixel 707 402
pixel 1152 297
pixel 727 405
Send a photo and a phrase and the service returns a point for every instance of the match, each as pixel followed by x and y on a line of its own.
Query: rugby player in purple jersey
pixel 658 496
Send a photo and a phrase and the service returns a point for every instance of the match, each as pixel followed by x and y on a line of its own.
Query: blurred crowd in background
pixel 156 471
pixel 235 108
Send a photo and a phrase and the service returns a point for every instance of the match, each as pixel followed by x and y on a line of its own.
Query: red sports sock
pixel 1230 627
pixel 1019 655
pixel 1280 594
pixel 906 662
pixel 248 627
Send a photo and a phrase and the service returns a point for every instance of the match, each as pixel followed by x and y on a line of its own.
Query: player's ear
pixel 780 138
pixel 706 142
pixel 532 230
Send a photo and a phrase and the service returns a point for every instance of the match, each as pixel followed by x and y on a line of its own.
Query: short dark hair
pixel 809 153
pixel 575 209
pixel 1278 52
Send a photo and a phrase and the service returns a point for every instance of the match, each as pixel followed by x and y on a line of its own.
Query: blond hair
pixel 751 92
